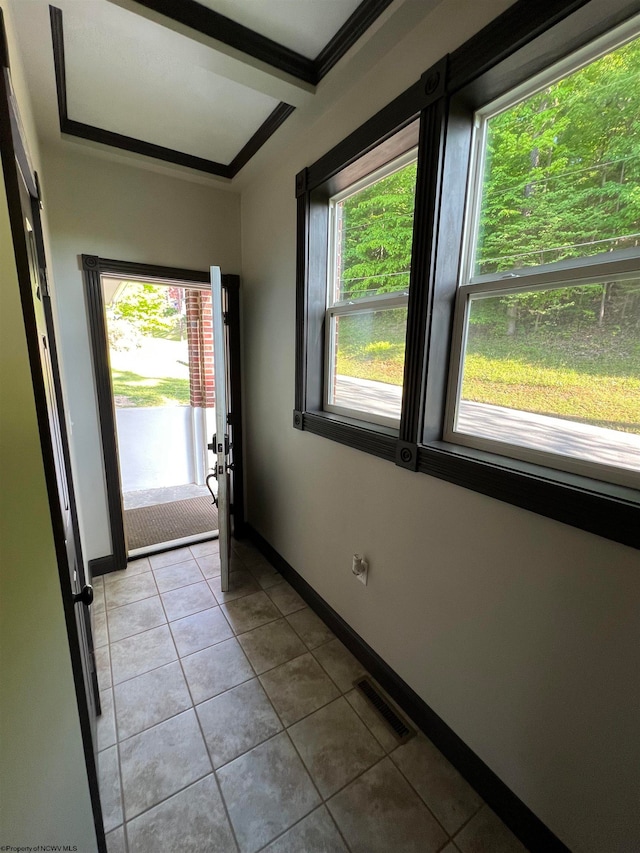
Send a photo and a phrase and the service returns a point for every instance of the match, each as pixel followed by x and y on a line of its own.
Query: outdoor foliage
pixel 142 309
pixel 561 180
pixel 562 175
pixel 376 225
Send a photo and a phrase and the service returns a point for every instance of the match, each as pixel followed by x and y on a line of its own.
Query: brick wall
pixel 200 338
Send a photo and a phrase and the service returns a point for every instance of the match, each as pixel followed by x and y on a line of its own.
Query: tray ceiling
pixel 305 26
pixel 127 82
pixel 200 84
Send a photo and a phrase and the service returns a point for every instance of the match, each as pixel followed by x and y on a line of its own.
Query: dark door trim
pixel 93 268
pixel 16 169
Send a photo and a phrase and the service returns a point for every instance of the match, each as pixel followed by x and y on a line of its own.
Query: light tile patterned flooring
pixel 230 723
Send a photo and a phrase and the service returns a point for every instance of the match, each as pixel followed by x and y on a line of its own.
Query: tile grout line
pixel 125 821
pixel 191 708
pixel 115 726
pixel 309 650
pixel 469 819
pixel 213 768
pixel 202 735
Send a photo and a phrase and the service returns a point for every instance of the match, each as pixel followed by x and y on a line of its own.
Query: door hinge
pixel 44 283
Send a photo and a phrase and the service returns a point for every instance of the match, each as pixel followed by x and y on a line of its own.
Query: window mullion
pixel 428 182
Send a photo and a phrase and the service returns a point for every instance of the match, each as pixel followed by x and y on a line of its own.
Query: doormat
pixel 151 525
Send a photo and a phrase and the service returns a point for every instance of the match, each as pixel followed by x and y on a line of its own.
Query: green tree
pixel 562 180
pixel 140 309
pixel 376 228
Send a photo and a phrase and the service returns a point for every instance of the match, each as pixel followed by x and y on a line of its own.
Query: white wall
pixel 520 632
pixel 44 791
pixel 119 211
pixel 155 447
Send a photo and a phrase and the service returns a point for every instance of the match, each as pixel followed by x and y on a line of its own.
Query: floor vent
pixel 400 729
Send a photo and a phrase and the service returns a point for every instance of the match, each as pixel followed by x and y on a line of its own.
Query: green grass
pixel 133 390
pixel 387 367
pixel 592 377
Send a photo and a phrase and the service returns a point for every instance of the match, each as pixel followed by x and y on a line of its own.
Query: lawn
pixel 132 389
pixel 592 378
pixel 154 373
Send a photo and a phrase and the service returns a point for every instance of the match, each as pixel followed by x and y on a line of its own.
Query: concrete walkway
pixel 555 435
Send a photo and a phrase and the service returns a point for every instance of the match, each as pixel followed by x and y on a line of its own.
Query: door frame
pixel 18 170
pixel 93 268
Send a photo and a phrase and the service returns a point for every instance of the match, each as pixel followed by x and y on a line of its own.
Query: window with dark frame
pixel 444 429
pixel 546 345
pixel 370 234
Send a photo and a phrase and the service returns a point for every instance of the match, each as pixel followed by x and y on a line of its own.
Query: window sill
pixel 602 508
pixel 372 438
pixel 605 509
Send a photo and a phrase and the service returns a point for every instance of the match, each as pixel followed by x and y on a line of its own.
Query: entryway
pixel 162 378
pixel 153 351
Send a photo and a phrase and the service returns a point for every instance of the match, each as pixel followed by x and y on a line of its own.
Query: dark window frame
pixel 510 50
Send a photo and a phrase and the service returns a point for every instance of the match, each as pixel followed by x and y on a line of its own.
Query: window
pixel 499 349
pixel 546 355
pixel 370 237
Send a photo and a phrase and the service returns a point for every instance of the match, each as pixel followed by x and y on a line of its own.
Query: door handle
pixel 85 595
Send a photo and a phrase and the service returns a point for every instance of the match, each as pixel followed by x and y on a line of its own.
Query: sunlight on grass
pixel 601 388
pixel 607 401
pixel 131 390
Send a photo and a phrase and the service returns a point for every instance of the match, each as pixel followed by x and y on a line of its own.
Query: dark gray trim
pixel 232 285
pixel 139 146
pixel 4 47
pixel 514 28
pixel 106 411
pixel 597 507
pixel 102 566
pixel 216 26
pixel 112 266
pixel 442 274
pixel 511 49
pixel 379 441
pixel 262 134
pixel 371 137
pixel 59 64
pixel 423 261
pixel 204 20
pixel 149 149
pixel 12 179
pixel 353 28
pixel 407 455
pixel 533 833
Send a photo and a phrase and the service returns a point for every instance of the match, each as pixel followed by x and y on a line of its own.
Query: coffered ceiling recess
pixel 200 84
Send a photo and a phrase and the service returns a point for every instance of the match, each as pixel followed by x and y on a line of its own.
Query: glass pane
pixel 562 172
pixel 148 343
pixel 368 361
pixel 557 370
pixel 374 229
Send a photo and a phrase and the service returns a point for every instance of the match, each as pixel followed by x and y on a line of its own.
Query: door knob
pixel 85 595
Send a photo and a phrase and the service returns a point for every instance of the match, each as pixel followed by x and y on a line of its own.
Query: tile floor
pixel 230 723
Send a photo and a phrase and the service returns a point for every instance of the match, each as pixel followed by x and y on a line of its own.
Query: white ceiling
pixel 305 26
pixel 122 77
pixel 134 72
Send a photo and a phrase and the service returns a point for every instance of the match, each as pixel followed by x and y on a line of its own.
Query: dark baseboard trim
pixel 537 837
pixel 102 565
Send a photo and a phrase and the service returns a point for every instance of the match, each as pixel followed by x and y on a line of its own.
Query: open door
pixel 24 210
pixel 221 440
